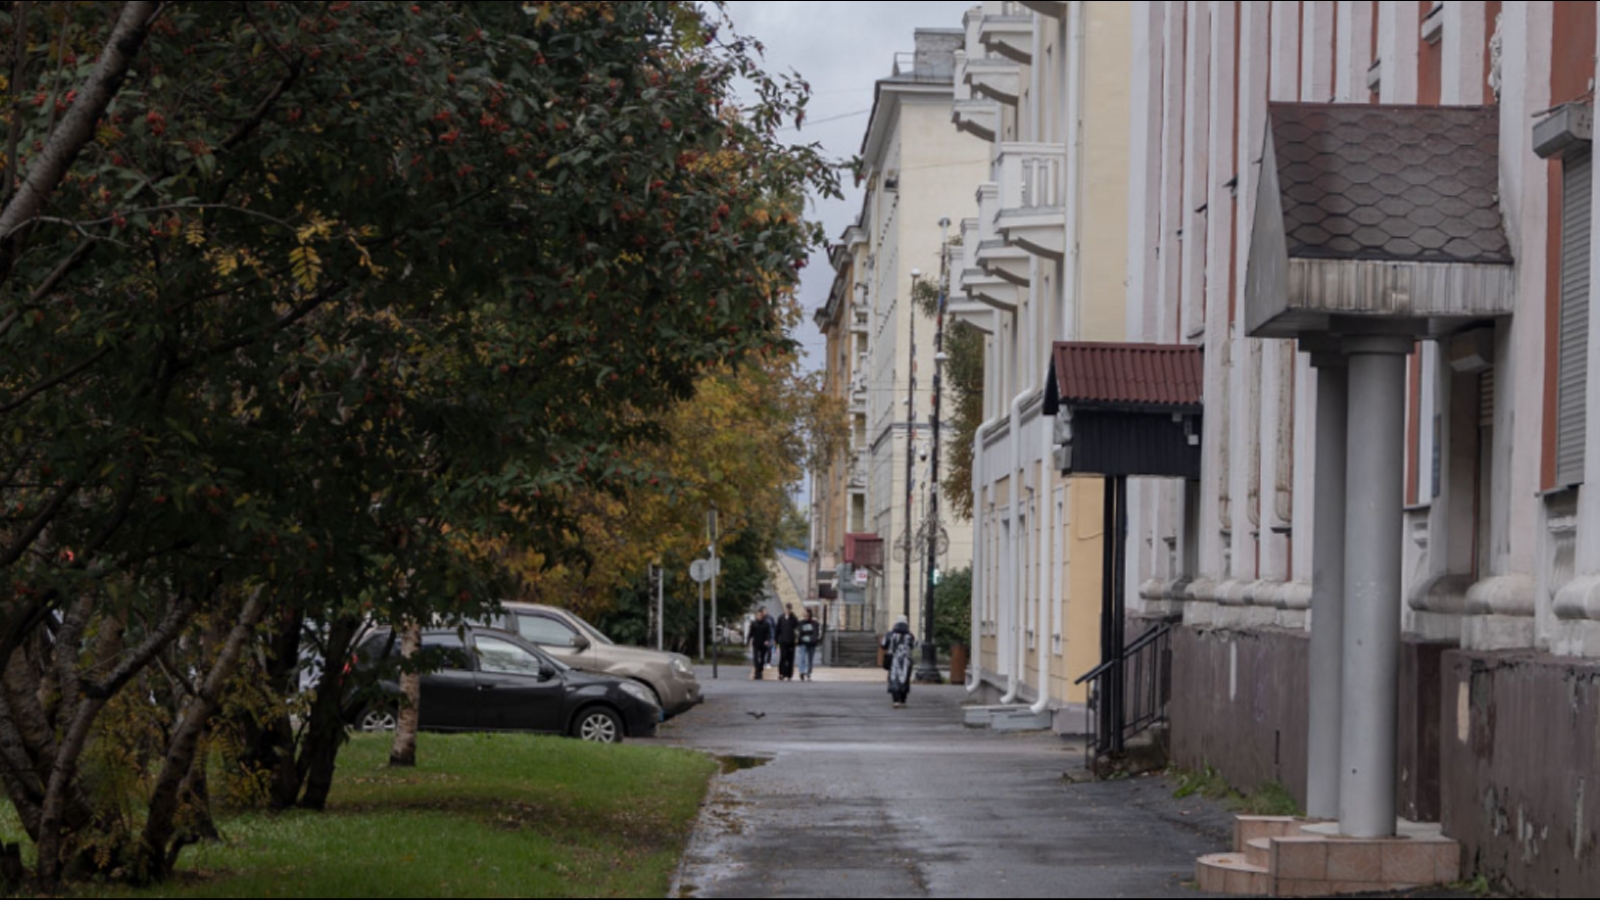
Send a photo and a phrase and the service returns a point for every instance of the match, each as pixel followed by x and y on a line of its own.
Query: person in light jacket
pixel 810 640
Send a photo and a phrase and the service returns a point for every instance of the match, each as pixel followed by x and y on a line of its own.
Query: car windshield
pixel 593 632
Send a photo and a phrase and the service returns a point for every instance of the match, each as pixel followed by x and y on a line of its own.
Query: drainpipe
pixel 1047 581
pixel 980 578
pixel 1073 127
pixel 1015 636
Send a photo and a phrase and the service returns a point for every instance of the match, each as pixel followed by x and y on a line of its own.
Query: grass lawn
pixel 483 816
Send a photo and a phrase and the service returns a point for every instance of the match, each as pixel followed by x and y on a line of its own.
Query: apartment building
pixel 916 171
pixel 1042 259
pixel 1375 219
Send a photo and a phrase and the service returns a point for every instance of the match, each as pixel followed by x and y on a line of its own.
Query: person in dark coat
pixel 760 639
pixel 788 634
pixel 898 646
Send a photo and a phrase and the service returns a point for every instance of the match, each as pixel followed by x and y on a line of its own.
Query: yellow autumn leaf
pixel 307 266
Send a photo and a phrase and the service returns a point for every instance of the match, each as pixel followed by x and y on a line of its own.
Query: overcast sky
pixel 841 48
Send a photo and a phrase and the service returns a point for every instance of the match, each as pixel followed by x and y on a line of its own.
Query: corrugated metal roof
pixel 1390 183
pixel 1127 375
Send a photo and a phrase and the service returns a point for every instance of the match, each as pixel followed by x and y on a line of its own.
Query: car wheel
pixel 376 720
pixel 599 725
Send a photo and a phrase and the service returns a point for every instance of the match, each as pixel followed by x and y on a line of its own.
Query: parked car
pixel 494 681
pixel 565 636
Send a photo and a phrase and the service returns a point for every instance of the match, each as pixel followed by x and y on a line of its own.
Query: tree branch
pixel 38 525
pixel 171 624
pixel 287 321
pixel 259 114
pixel 49 384
pixel 19 67
pixel 78 126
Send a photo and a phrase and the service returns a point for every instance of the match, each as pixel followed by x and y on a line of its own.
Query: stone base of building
pixel 1277 857
pixel 1240 705
pixel 1521 775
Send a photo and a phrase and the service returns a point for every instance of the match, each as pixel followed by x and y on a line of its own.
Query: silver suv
pixel 580 645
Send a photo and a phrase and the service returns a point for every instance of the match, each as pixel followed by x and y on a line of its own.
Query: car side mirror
pixel 581 643
pixel 546 672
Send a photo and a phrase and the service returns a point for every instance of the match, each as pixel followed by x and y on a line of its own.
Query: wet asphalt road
pixel 861 800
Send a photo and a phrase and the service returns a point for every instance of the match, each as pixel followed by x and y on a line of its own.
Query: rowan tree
pixel 294 296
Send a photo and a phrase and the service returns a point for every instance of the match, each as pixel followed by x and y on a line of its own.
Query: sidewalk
pixel 828 792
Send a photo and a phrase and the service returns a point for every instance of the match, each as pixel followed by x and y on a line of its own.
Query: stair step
pixel 1231 874
pixel 1258 852
pixel 1248 828
pixel 1024 719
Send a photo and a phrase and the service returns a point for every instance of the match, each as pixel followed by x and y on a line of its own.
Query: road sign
pixel 703 570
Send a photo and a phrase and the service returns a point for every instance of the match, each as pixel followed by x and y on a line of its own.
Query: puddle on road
pixel 732 764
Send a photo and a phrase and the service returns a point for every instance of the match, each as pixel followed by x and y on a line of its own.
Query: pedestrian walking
pixel 787 635
pixel 759 638
pixel 897 648
pixel 810 640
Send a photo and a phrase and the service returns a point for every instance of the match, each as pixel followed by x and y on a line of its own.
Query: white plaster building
pixel 1042 259
pixel 916 171
pixel 1499 582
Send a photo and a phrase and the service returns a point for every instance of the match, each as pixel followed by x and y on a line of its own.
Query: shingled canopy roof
pixel 1134 377
pixel 1408 183
pixel 1378 219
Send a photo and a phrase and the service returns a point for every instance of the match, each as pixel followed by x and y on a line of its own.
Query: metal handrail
pixel 1148 689
pixel 1149 637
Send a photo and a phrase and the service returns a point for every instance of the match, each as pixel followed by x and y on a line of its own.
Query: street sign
pixel 703 570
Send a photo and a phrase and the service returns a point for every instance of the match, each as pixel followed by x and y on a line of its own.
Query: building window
pixel 1573 365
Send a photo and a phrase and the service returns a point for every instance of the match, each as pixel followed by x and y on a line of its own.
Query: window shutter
pixel 1577 190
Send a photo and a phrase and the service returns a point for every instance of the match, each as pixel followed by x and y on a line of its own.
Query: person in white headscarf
pixel 898 645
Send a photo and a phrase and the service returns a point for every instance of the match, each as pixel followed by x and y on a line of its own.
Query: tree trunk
pixel 156 857
pixel 404 753
pixel 269 745
pixel 63 782
pixel 326 733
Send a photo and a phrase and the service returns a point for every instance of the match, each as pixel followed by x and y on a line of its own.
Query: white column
pixel 1144 166
pixel 1355 50
pixel 1328 588
pixel 1373 560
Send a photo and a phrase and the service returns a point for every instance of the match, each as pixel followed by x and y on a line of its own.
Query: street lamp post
pixel 911 443
pixel 928 671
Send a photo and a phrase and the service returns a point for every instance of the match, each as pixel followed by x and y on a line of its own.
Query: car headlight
pixel 639 692
pixel 681 667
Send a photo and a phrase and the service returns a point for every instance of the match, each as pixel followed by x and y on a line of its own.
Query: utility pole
pixel 911 442
pixel 661 608
pixel 716 627
pixel 928 672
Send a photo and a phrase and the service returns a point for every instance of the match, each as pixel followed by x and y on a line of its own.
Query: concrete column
pixel 1327 587
pixel 1374 548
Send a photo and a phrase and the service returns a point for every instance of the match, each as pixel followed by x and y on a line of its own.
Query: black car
pixel 495 681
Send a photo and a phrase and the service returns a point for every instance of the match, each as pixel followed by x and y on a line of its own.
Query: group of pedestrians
pixel 795 639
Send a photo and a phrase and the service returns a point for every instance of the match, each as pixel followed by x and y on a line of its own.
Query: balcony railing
pixel 1007 29
pixel 1031 177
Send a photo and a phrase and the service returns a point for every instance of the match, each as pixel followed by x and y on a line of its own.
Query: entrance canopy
pixel 1378 219
pixel 1127 409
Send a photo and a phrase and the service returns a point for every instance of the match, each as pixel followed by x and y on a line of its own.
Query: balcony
pixel 1055 9
pixel 995 79
pixel 1033 208
pixel 996 256
pixel 1006 29
pixel 979 118
pixel 989 293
